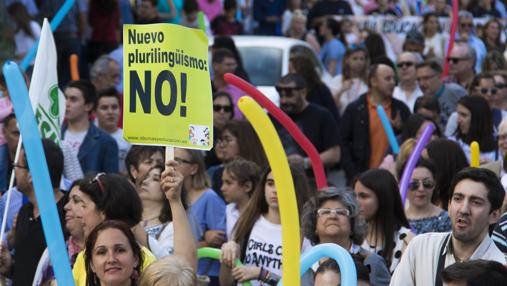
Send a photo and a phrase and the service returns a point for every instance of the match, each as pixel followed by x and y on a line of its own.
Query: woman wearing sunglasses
pixel 332 216
pixel 422 215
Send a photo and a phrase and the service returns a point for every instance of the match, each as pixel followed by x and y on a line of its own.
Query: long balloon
pixel 474 154
pixel 388 129
pixel 292 128
pixel 213 253
pixel 348 273
pixel 285 187
pixel 34 154
pixel 452 35
pixel 55 22
pixel 74 71
pixel 412 161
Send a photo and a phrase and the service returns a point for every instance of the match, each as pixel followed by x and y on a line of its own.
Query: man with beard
pixel 364 139
pixel 476 198
pixel 316 122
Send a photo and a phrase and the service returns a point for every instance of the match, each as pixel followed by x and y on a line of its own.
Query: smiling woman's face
pixel 113 260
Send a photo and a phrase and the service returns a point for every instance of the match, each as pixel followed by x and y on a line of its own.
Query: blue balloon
pixel 34 154
pixel 57 19
pixel 343 258
pixel 388 129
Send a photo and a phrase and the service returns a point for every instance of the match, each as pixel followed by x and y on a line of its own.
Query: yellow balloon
pixel 291 245
pixel 474 154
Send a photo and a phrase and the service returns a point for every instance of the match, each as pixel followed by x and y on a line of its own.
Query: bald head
pixel 406 66
pixel 381 80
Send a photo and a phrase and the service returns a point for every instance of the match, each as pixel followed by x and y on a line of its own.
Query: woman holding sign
pixel 258 235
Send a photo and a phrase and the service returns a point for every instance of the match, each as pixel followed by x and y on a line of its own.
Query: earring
pixel 135 275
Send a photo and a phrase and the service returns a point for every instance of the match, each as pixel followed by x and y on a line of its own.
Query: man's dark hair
pixel 432 64
pixel 476 273
pixel 488 178
pixel 293 78
pixel 87 89
pixel 8 119
pixel 108 92
pixel 220 54
pixel 427 102
pixel 54 159
pixel 372 72
pixel 153 2
pixel 190 6
pixel 139 153
pixel 230 5
pixel 333 25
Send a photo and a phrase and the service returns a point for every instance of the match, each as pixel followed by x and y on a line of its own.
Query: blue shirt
pixel 14 206
pixel 209 210
pixel 333 50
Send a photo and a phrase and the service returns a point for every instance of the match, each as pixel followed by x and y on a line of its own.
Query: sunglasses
pixel 456 60
pixel 225 108
pixel 426 183
pixel 328 212
pixel 287 91
pixel 483 90
pixel 501 85
pixel 466 25
pixel 404 64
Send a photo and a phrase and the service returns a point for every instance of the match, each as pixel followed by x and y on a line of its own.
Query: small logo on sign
pixel 198 135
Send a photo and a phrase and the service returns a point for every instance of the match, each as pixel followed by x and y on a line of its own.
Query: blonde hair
pixel 168 271
pixel 298 15
pixel 405 151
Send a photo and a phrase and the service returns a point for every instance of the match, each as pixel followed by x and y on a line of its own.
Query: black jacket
pixel 356 135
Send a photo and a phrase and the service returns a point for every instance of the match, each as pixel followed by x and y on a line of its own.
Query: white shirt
pixel 419 263
pixel 25 42
pixel 74 140
pixel 123 148
pixel 231 217
pixel 408 99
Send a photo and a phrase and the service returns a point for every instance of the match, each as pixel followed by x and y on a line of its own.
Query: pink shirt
pixel 5 109
pixel 211 8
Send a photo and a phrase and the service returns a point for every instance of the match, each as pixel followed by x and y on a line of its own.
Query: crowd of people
pixel 131 218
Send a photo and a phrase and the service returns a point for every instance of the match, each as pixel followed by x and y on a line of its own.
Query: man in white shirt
pixel 96 150
pixel 475 201
pixel 108 112
pixel 408 89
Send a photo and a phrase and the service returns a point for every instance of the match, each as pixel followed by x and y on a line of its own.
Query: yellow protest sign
pixel 167 87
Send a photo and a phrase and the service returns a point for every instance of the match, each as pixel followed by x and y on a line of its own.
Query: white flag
pixel 47 100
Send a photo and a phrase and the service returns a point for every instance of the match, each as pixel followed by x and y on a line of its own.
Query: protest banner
pixel 167 87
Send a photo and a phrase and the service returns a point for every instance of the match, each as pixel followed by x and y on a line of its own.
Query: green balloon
pixel 214 253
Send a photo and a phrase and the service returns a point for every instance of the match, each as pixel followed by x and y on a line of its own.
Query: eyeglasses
pixel 97 180
pixel 426 183
pixel 225 141
pixel 484 90
pixel 501 85
pixel 466 25
pixel 328 212
pixel 182 161
pixel 17 165
pixel 426 78
pixel 287 91
pixel 404 64
pixel 455 60
pixel 225 108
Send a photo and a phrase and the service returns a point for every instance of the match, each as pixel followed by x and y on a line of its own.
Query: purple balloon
pixel 412 161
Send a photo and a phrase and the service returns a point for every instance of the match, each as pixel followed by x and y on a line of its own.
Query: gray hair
pixel 465 14
pixel 344 196
pixel 417 57
pixel 100 66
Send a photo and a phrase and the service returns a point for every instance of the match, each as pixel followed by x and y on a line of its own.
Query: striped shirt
pixel 499 235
